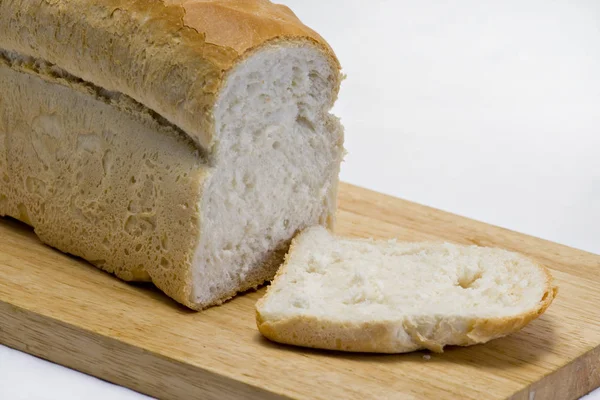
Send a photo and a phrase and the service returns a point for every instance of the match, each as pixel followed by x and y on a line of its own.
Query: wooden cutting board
pixel 64 310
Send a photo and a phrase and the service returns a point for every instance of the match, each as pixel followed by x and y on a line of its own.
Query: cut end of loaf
pixel 392 297
pixel 277 154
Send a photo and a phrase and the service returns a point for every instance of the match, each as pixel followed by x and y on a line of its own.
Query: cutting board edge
pixel 83 350
pixel 574 389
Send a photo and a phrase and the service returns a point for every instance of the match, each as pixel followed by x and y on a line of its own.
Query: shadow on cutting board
pixel 521 348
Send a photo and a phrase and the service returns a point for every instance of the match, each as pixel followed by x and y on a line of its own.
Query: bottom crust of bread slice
pixel 390 297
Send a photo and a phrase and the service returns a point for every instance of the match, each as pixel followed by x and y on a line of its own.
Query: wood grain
pixel 61 309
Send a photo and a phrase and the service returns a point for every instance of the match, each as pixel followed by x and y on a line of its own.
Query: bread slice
pixel 183 143
pixel 392 297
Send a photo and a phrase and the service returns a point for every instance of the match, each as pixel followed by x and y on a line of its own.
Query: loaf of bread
pixel 391 297
pixel 178 142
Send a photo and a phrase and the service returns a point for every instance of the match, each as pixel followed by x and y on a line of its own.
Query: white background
pixel 487 109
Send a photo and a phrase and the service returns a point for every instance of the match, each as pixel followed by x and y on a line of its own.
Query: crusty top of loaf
pixel 171 55
pixel 242 25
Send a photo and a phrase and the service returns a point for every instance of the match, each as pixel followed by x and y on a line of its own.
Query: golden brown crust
pixel 397 336
pixel 171 56
pixel 243 25
pixel 126 203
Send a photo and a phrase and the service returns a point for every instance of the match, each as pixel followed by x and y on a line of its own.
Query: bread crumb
pixel 532 395
pixel 426 357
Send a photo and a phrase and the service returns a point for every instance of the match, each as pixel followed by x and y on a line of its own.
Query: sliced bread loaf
pixel 178 142
pixel 391 297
